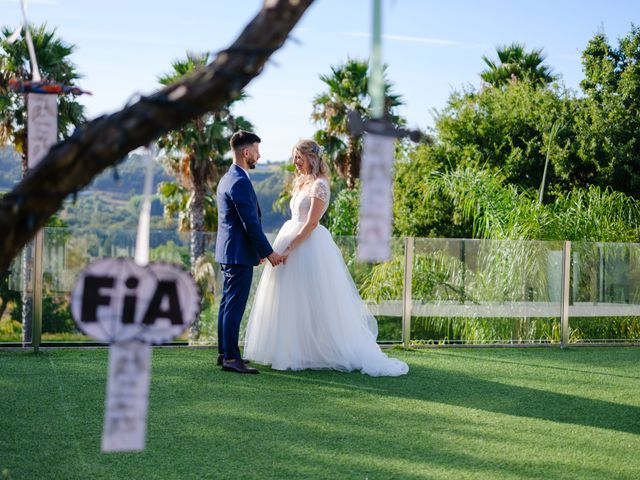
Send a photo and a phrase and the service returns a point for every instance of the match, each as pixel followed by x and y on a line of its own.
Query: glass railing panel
pixel 380 285
pixel 12 286
pixel 486 291
pixel 364 276
pixel 67 252
pixel 605 292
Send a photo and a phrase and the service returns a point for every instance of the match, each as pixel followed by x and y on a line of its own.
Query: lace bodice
pixel 300 203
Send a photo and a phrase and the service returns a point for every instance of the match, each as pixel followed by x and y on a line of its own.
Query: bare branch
pixel 105 141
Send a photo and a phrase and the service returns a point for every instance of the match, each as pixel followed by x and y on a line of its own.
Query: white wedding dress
pixel 307 313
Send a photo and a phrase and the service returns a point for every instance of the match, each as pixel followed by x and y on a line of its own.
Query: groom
pixel 240 245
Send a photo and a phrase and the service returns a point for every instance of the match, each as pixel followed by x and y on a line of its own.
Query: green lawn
pixel 460 413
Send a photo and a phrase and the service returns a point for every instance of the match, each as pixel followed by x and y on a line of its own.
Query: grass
pixel 460 413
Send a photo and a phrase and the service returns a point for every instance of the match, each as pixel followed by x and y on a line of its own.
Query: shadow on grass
pixel 461 390
pixel 302 416
pixel 422 383
pixel 596 363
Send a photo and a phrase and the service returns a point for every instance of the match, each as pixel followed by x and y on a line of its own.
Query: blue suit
pixel 240 244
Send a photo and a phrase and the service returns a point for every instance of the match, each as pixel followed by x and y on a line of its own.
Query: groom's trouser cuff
pixel 237 285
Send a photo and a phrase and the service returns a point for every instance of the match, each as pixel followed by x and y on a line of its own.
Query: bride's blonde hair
pixel 313 153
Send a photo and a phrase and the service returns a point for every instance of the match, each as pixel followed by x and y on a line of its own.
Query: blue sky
pixel 432 47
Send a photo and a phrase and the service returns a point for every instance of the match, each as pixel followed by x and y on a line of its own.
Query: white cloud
pixel 426 40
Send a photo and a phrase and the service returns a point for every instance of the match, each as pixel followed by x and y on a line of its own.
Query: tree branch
pixel 105 141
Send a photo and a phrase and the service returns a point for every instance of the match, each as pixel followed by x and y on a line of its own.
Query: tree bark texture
pixel 354 154
pixel 72 164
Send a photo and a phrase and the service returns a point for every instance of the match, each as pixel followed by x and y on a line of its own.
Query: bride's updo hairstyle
pixel 313 153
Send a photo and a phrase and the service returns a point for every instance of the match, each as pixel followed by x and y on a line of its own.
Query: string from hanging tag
pixel 35 71
pixel 144 221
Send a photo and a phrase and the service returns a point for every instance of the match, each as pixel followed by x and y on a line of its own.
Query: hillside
pixel 112 201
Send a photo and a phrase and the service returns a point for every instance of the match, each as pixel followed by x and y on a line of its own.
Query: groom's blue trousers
pixel 235 292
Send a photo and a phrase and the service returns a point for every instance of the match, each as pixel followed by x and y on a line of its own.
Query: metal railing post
pixel 566 281
pixel 36 325
pixel 406 291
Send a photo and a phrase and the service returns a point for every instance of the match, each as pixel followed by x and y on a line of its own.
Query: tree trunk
pixel 71 165
pixel 353 155
pixel 197 238
pixel 27 291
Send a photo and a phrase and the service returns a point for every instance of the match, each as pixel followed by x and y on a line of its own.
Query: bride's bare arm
pixel 313 218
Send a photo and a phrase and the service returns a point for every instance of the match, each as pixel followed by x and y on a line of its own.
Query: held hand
pixel 261 261
pixel 275 259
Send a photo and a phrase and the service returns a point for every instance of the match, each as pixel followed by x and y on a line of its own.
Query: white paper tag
pixel 376 198
pixel 125 418
pixel 42 131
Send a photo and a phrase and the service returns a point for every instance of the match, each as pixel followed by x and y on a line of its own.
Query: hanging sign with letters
pixel 131 307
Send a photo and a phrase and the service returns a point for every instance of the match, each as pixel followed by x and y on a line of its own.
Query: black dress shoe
pixel 221 358
pixel 237 366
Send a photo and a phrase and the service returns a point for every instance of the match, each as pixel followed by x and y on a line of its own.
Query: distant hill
pixel 268 183
pixel 111 202
pixel 126 178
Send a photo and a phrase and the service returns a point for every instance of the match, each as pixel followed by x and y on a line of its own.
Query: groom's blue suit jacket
pixel 240 239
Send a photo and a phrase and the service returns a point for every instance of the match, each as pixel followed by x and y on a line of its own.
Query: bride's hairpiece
pixel 317 149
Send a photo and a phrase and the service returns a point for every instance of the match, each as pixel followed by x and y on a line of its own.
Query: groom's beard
pixel 251 163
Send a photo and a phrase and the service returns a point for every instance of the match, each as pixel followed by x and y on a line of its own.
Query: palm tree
pixel 347 90
pixel 196 155
pixel 53 59
pixel 516 64
pixel 52 54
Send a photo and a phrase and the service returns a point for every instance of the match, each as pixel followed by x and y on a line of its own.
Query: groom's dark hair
pixel 242 138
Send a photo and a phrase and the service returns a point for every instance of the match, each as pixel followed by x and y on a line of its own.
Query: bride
pixel 307 313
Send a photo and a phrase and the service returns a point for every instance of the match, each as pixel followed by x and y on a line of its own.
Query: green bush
pixel 343 215
pixel 56 315
pixel 10 330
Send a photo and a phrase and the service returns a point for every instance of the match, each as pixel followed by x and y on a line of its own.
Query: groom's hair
pixel 242 138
